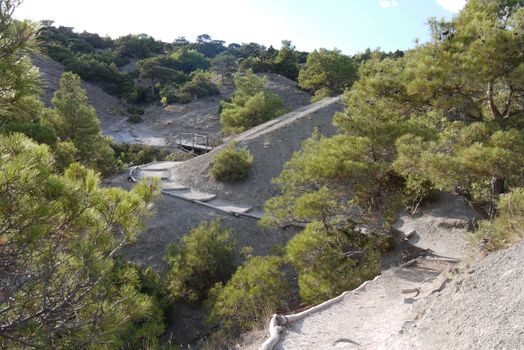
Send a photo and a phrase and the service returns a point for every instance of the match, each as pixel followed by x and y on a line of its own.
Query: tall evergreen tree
pixel 76 120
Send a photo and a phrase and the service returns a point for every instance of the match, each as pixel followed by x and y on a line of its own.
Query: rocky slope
pixel 481 308
pixel 271 144
pixel 162 125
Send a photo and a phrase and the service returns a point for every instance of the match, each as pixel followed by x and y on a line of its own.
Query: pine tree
pixel 75 120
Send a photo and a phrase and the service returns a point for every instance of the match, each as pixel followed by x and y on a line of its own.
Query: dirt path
pixel 372 316
pixel 367 318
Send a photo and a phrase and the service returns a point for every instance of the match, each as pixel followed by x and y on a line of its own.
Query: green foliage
pixel 144 331
pixel 133 109
pixel 160 70
pixel 250 105
pixel 64 248
pixel 507 227
pixel 231 164
pixel 135 119
pixel 136 154
pixel 75 120
pixel 19 80
pixel 203 258
pixel 95 69
pixel 471 163
pixel 138 46
pixel 187 60
pixel 200 85
pixel 39 132
pixel 253 293
pixel 327 73
pixel 286 61
pixel 64 153
pixel 224 64
pixel 443 116
pixel 259 60
pixel 324 265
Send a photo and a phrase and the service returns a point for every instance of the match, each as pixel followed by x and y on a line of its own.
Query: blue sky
pixel 349 25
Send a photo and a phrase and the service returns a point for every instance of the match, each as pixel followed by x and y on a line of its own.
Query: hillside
pixel 175 217
pixel 481 308
pixel 162 125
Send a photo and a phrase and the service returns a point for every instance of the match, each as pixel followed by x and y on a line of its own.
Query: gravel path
pixel 372 317
pixel 367 318
pixel 480 309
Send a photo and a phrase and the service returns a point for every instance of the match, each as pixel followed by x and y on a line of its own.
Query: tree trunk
pixel 375 201
pixel 153 83
pixel 491 103
pixel 497 188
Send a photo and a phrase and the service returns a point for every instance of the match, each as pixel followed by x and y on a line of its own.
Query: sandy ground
pixel 162 126
pixel 482 308
pixel 271 144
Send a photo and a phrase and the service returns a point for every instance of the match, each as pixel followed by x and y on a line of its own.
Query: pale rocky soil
pixel 271 145
pixel 481 308
pixel 162 125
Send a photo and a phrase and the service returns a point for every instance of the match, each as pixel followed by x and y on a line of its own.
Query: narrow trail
pixel 162 171
pixel 373 315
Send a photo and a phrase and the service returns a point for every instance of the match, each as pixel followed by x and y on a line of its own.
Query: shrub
pixel 507 227
pixel 138 154
pixel 250 105
pixel 188 60
pixel 255 291
pixel 135 110
pixel 145 328
pixel 64 153
pixel 203 258
pixel 39 132
pixel 179 156
pixel 327 73
pixel 200 85
pixel 324 267
pixel 135 119
pixel 231 164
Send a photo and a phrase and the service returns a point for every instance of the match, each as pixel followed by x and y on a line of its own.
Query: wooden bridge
pixel 195 142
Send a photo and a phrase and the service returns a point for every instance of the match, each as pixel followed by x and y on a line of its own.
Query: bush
pixel 179 156
pixel 147 286
pixel 135 119
pixel 200 85
pixel 39 132
pixel 324 267
pixel 64 153
pixel 135 110
pixel 136 154
pixel 203 258
pixel 188 61
pixel 254 292
pixel 250 105
pixel 507 227
pixel 231 164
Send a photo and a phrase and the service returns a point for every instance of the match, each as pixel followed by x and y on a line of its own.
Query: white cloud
pixel 453 6
pixel 387 3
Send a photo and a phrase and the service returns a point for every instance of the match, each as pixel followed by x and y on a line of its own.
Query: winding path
pixel 163 171
pixel 371 316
